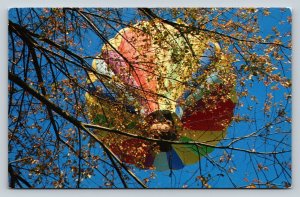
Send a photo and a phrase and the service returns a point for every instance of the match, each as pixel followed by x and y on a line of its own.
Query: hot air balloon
pixel 154 81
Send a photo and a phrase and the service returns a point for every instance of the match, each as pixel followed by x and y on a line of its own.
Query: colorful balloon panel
pixel 151 75
pixel 133 58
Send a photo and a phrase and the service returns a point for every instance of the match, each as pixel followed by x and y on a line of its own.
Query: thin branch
pixel 186 28
pixel 69 118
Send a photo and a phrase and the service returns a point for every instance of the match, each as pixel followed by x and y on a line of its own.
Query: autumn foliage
pixel 64 132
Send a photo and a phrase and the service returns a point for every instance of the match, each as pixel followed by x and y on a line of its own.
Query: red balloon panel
pixel 201 118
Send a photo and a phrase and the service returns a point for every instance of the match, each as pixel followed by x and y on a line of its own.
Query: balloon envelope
pixel 150 76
